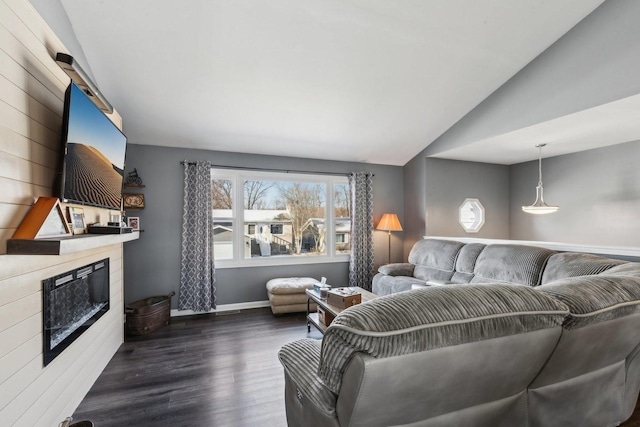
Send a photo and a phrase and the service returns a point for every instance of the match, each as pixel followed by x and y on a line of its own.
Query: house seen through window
pixel 269 216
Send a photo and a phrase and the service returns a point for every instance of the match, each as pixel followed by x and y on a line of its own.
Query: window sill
pixel 273 261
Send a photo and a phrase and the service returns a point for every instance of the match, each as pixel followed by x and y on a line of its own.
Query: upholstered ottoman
pixel 286 295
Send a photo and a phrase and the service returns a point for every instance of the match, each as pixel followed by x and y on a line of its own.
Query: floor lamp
pixel 389 223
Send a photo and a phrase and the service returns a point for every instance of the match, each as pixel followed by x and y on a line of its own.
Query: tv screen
pixel 93 154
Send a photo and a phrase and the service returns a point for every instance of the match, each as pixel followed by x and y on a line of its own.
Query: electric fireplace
pixel 72 302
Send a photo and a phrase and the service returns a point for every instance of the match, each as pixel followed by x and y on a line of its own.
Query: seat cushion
pixel 387 285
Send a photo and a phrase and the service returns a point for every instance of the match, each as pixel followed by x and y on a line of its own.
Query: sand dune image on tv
pixel 89 175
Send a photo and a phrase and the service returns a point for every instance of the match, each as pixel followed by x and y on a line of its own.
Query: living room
pixel 577 92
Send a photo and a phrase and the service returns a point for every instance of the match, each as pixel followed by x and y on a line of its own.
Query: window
pixel 223 221
pixel 283 218
pixel 342 217
pixel 471 215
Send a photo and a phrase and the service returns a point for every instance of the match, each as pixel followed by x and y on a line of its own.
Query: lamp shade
pixel 389 222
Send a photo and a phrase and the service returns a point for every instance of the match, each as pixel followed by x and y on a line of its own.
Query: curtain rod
pixel 272 170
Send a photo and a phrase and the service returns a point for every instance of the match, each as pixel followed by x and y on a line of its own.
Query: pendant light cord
pixel 540 164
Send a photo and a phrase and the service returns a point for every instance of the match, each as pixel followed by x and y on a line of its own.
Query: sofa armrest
pixel 397 269
pixel 300 360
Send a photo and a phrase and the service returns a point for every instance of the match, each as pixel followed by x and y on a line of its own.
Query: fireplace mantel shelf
pixel 66 245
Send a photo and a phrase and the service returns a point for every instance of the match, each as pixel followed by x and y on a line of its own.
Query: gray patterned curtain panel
pixel 361 262
pixel 197 274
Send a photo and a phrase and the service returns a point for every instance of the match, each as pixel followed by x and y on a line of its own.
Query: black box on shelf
pixel 108 229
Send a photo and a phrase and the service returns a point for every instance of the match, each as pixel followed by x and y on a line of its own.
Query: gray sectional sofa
pixel 477 335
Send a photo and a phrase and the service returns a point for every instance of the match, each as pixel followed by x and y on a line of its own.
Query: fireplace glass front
pixel 72 302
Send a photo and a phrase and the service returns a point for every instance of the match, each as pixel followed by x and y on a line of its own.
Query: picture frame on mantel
pixel 134 223
pixel 76 217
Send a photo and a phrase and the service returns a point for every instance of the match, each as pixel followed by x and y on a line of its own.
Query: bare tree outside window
pixel 342 217
pixel 304 202
pixel 255 194
pixel 341 201
pixel 221 193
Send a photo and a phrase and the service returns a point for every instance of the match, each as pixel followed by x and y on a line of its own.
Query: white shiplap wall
pixel 31 106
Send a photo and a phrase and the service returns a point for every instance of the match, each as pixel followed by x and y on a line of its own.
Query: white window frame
pixel 237 178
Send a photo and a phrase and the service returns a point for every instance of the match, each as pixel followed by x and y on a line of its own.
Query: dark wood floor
pixel 207 370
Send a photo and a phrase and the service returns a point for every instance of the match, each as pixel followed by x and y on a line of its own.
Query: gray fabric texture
pixel 572 264
pixel 300 360
pixel 387 285
pixel 590 400
pixel 511 264
pixel 436 254
pixel 397 269
pixel 427 273
pixel 441 382
pixel 361 261
pixel 468 256
pixel 197 271
pixel 593 299
pixel 631 269
pixel 434 317
pixel 466 262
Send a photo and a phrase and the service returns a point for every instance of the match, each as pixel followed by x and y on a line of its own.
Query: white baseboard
pixel 222 308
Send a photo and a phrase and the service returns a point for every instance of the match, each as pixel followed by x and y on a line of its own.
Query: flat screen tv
pixel 93 154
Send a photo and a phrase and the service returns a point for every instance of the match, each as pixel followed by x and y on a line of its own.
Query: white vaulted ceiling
pixel 357 80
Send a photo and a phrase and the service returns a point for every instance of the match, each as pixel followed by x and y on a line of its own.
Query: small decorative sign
pixel 133 201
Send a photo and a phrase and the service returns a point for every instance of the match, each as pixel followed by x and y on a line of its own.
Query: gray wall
pixel 435 189
pixel 152 263
pixel 598 192
pixel 414 202
pixel 449 182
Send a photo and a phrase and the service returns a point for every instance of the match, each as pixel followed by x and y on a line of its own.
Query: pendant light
pixel 539 207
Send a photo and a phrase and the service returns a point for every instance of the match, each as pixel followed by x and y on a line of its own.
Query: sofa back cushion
pixel 597 298
pixel 511 264
pixel 466 262
pixel 433 317
pixel 572 264
pixel 434 259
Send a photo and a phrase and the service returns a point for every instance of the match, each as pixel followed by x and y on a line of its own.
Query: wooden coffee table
pixel 312 317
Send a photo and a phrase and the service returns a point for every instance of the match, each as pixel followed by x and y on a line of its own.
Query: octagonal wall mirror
pixel 471 215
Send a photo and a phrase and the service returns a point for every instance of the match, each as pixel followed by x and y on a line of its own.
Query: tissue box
pixel 317 286
pixel 344 297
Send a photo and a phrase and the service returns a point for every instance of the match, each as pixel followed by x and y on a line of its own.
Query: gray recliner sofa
pixel 496 335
